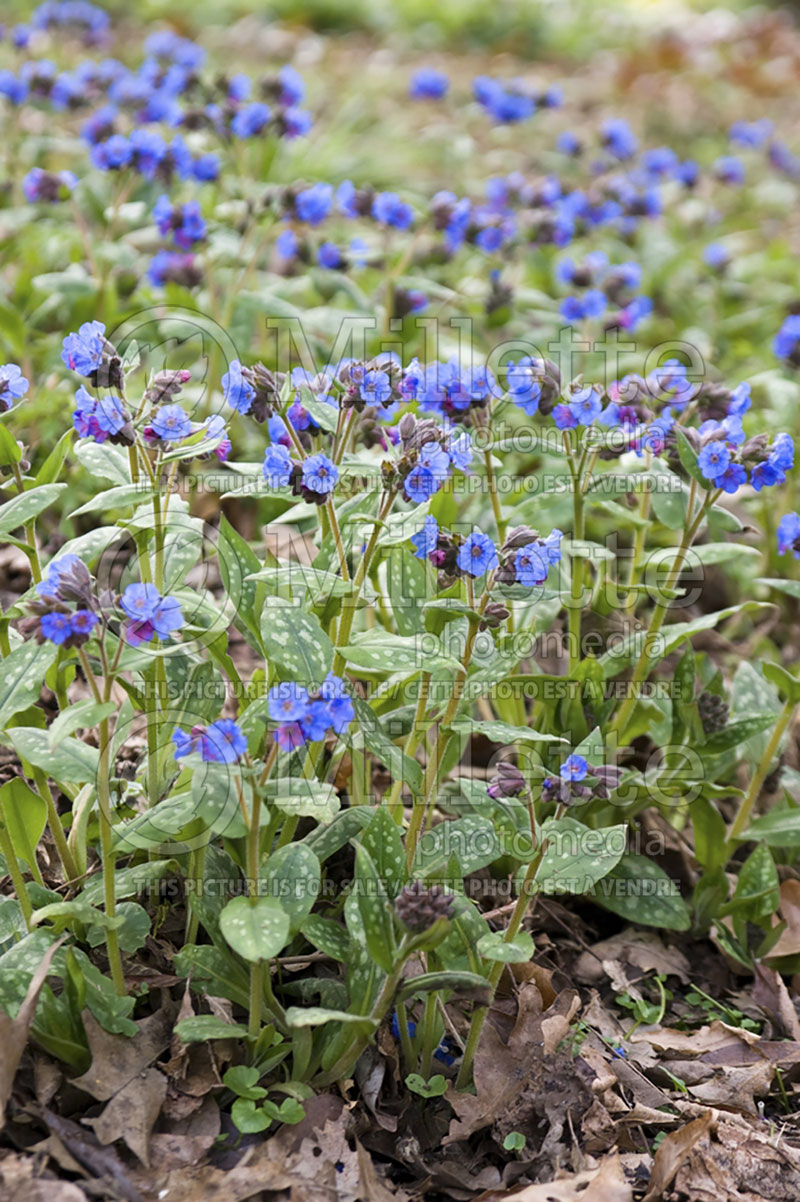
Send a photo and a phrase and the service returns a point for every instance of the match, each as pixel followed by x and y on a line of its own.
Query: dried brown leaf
pixel 671 1154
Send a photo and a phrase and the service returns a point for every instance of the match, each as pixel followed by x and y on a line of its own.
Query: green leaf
pixel 779 828
pixel 470 983
pixel 202 1028
pixel 28 505
pixel 505 733
pixel 736 733
pixel 291 877
pixel 688 457
pixel 317 1016
pixel 380 651
pixel 434 1087
pixel 518 950
pixel 24 815
pixel 243 1080
pixel 473 841
pixel 756 895
pixel 304 799
pixel 120 497
pixel 383 841
pixel 328 936
pixel 257 930
pixel 325 416
pixel 21 676
pixel 70 761
pixel 105 460
pixel 641 892
pixel 399 765
pixel 295 643
pixel 576 857
pixel 81 715
pixel 248 1118
pixel 373 907
pixel 671 637
pixel 788 684
pixel 50 470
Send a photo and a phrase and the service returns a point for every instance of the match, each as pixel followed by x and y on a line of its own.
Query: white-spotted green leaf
pixel 21 675
pixel 518 950
pixel 373 907
pixel 28 505
pixel 383 842
pixel 578 857
pixel 83 715
pixel 201 1028
pixel 505 733
pixel 638 890
pixel 304 798
pixel 295 643
pixel 256 929
pixel 317 1016
pixel 472 840
pixel 291 877
pixel 70 761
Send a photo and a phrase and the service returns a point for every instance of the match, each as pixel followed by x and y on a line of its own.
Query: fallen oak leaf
pixel 604 1184
pixel 132 1113
pixel 671 1154
pixel 117 1059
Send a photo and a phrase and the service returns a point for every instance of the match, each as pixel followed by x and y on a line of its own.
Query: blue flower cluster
pixel 13 385
pixel 526 558
pixel 305 716
pixel 150 615
pixel 220 743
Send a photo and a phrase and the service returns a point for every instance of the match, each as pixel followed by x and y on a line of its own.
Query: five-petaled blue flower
pixel 574 768
pixel 789 534
pixel 320 473
pixel 477 554
pixel 278 466
pixel 13 385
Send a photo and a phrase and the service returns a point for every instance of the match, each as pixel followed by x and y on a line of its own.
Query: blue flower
pixel 786 340
pixel 436 460
pixel 338 703
pixel 428 84
pixel 238 392
pixel 83 351
pixel 320 473
pixel 714 460
pixel 83 622
pixel 220 743
pixel 206 167
pixel 716 255
pixel 740 400
pixel 57 570
pixel 100 418
pixel 477 554
pixel 251 119
pixel 113 154
pixel 619 139
pixel 185 222
pixel 278 466
pixel 750 133
pixel 46 187
pixel 568 143
pixel 287 701
pixel 13 385
pixel 140 601
pixel 286 244
pixel 506 105
pixel 531 565
pixel 586 405
pixel 150 613
pixel 375 388
pixel 56 627
pixel 424 541
pixel 729 169
pixel 789 534
pixel 779 460
pixel 460 452
pixel 171 424
pixel 420 484
pixel 314 204
pixel 389 209
pixel 329 256
pixel 574 768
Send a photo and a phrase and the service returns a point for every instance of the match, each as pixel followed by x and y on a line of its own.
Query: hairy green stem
pixel 742 818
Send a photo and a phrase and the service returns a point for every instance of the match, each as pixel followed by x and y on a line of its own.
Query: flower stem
pixel 104 808
pixel 760 775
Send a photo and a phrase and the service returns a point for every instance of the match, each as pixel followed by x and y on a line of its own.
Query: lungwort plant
pixel 333 656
